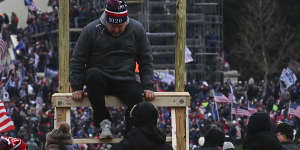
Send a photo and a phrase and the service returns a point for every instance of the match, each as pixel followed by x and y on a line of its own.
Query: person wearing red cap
pixel 10 143
pixel 104 60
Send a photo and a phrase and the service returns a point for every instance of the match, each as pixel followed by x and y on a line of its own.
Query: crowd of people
pixel 30 79
pixel 202 118
pixel 81 13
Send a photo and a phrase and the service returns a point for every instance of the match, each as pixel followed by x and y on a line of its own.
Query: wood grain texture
pixel 163 99
pixel 105 141
pixel 179 72
pixel 63 114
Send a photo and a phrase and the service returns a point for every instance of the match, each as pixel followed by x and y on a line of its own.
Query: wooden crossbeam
pixel 105 141
pixel 163 99
pixel 135 1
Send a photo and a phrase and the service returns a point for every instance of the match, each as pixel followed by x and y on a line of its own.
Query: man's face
pixel 281 137
pixel 116 29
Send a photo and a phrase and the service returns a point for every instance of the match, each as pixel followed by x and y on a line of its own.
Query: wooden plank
pixel 173 125
pixel 63 43
pixel 179 72
pixel 96 140
pixel 104 141
pixel 180 128
pixel 63 114
pixel 164 99
pixel 135 1
pixel 187 132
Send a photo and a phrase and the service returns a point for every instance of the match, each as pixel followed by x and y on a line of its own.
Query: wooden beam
pixel 63 114
pixel 173 125
pixel 63 43
pixel 163 99
pixel 105 141
pixel 181 135
pixel 96 140
pixel 135 2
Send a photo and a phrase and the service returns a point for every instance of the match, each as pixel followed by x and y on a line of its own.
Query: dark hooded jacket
pixel 260 133
pixel 115 57
pixel 289 146
pixel 213 138
pixel 145 135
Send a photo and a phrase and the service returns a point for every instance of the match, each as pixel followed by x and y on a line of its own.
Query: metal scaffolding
pixel 204 34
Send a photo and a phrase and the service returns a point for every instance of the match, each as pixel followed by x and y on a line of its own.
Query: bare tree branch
pixel 264 38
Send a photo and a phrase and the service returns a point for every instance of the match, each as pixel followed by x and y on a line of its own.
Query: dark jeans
pixel 130 93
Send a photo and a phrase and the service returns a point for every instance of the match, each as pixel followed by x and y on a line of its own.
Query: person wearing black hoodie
pixel 285 135
pixel 214 139
pixel 144 135
pixel 260 133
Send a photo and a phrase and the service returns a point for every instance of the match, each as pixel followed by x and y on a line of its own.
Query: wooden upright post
pixel 63 114
pixel 181 126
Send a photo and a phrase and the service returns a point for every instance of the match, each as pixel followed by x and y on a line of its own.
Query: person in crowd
pixel 287 93
pixel 14 22
pixel 104 60
pixel 214 139
pixel 144 135
pixel 285 135
pixel 59 139
pixel 228 145
pixel 1 21
pixel 6 19
pixel 11 143
pixel 260 133
pixel 32 145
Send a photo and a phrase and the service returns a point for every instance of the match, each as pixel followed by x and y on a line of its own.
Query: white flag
pixel 188 55
pixel 288 78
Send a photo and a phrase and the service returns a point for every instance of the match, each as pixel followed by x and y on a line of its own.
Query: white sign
pixel 288 78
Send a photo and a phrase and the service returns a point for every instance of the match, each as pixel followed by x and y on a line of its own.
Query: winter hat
pixel 59 139
pixel 286 130
pixel 116 11
pixel 259 122
pixel 144 114
pixel 214 137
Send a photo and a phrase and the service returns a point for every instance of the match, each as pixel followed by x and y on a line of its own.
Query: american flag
pixel 294 109
pixel 220 98
pixel 251 108
pixel 239 110
pixel 214 111
pixel 231 93
pixel 3 48
pixel 6 124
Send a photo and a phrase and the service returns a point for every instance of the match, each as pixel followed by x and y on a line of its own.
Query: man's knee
pixel 134 98
pixel 93 75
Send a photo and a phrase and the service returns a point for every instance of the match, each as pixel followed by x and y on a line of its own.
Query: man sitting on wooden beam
pixel 104 60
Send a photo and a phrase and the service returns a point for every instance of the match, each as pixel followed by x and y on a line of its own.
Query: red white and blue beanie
pixel 116 11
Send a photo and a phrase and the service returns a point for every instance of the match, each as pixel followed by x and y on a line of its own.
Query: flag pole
pixel 289 108
pixel 231 117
